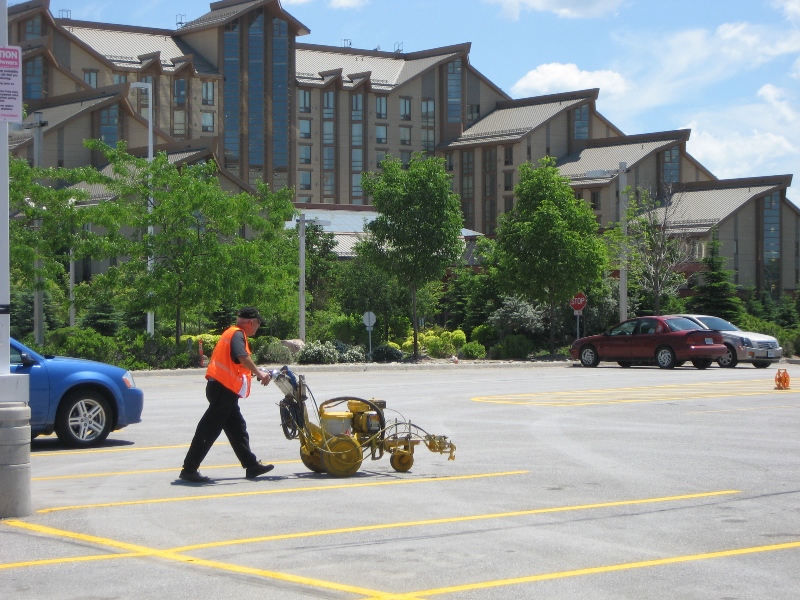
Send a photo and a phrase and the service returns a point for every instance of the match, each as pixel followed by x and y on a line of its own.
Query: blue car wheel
pixel 84 419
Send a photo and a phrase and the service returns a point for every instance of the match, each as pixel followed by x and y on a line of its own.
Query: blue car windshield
pixel 682 324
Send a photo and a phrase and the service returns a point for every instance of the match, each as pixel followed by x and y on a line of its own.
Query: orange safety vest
pixel 221 367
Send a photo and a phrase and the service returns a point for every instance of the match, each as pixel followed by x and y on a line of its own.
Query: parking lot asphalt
pixel 567 482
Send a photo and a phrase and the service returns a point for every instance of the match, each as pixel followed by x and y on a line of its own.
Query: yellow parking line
pixel 518 513
pixel 73 559
pixel 166 554
pixel 279 491
pixel 170 470
pixel 606 569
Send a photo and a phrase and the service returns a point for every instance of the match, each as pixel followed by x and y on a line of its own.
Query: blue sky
pixel 728 70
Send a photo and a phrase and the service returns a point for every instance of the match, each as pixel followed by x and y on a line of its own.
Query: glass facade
pixel 280 102
pixel 454 91
pixel 256 102
pixel 230 90
pixel 772 243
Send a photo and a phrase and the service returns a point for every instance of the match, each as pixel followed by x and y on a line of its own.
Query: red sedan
pixel 667 341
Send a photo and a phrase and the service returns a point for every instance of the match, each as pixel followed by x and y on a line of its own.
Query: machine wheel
pixel 702 363
pixel 761 365
pixel 312 462
pixel 729 359
pixel 342 456
pixel 665 357
pixel 624 364
pixel 84 419
pixel 589 357
pixel 401 461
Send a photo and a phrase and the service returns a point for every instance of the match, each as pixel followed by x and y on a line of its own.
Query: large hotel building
pixel 235 85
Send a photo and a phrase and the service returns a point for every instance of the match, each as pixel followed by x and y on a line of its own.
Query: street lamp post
pixel 302 235
pixel 141 85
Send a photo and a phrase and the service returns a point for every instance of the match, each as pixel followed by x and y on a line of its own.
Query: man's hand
pixel 263 377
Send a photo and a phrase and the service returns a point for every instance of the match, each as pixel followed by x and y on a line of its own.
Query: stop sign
pixel 578 302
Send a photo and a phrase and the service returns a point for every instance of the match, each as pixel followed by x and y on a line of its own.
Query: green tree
pixel 548 247
pixel 656 254
pixel 716 295
pixel 321 265
pixel 187 242
pixel 416 235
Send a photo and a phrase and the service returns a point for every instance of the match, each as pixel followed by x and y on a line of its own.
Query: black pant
pixel 223 414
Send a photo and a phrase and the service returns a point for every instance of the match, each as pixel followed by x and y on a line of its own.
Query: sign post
pixel 369 320
pixel 578 303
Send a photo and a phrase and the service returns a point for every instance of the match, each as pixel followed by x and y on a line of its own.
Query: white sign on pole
pixel 369 319
pixel 10 84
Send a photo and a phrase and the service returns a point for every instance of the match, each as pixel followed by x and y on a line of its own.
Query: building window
pixel 508 155
pixel 305 128
pixel 208 121
pixel 582 122
pixel 428 113
pixel 357 134
pixel 405 136
pixel 467 162
pixel 355 187
pixel 473 112
pixel 405 109
pixel 179 93
pixel 356 107
pixel 328 132
pixel 595 200
pixel 328 104
pixel 772 243
pixel 33 28
pixel 405 158
pixel 209 89
pixel 305 180
pixel 509 203
pixel 179 123
pixel 380 107
pixel 110 125
pixel 90 77
pixel 328 157
pixel 328 182
pixel 380 156
pixel 144 93
pixel 381 134
pixel 282 82
pixel 305 155
pixel 508 181
pixel 448 161
pixel 304 101
pixel 454 94
pixel 671 167
pixel 231 94
pixel 357 160
pixel 35 80
pixel 428 139
pixel 120 78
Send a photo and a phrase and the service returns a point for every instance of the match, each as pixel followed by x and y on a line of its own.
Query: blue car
pixel 81 400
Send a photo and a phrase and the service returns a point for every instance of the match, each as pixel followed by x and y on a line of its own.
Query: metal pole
pixel 302 235
pixel 5 250
pixel 623 271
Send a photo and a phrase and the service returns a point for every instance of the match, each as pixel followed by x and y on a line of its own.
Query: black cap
pixel 250 312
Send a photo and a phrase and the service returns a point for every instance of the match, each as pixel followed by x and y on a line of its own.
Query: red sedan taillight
pixel 703 338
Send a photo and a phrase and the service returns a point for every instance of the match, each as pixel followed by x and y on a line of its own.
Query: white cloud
pixel 790 8
pixel 775 97
pixel 557 77
pixel 570 9
pixel 348 3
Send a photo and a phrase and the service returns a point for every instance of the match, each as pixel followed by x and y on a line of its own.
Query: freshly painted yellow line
pixel 73 559
pixel 607 569
pixel 280 491
pixel 166 554
pixel 699 412
pixel 518 513
pixel 173 470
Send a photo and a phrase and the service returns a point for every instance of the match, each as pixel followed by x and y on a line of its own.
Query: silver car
pixel 743 346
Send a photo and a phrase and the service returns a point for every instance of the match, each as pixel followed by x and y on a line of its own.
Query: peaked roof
pixel 229 10
pixel 317 65
pixel 514 119
pixel 598 162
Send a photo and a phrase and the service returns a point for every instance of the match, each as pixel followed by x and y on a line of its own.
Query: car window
pixel 625 328
pixel 682 324
pixel 718 324
pixel 647 326
pixel 15 358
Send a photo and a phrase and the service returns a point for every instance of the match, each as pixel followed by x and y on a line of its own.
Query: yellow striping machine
pixel 348 429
